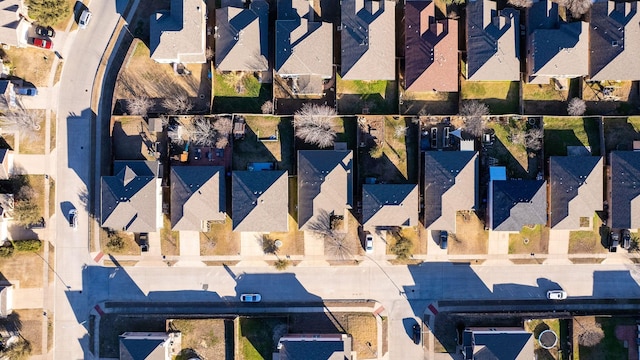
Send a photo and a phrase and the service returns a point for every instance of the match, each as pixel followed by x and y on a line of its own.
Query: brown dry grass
pixel 538 240
pixel 25 267
pixel 470 237
pixel 205 336
pixel 31 320
pixel 130 245
pixel 143 76
pixel 220 239
pixel 169 240
pixel 292 241
pixel 35 144
pixel 587 242
pixel 52 196
pixel 110 263
pixel 363 329
pixel 52 131
pixel 29 64
pixel 132 138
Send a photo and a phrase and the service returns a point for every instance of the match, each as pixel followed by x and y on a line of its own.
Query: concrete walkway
pixel 251 251
pixel 190 249
pixel 313 250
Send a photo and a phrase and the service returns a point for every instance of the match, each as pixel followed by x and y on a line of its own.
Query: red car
pixel 45 44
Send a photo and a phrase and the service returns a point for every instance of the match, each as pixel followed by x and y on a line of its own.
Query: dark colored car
pixel 444 236
pixel 416 333
pixel 144 242
pixel 614 240
pixel 45 44
pixel 45 31
pixel 626 238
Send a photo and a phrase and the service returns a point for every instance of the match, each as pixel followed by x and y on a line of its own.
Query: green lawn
pixel 536 238
pixel 361 87
pixel 542 92
pixel 513 156
pixel 249 99
pixel 380 97
pixel 500 96
pixel 256 337
pixel 251 149
pixel 570 131
pixel 610 347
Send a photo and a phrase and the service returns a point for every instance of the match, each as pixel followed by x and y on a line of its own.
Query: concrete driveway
pixel 40 101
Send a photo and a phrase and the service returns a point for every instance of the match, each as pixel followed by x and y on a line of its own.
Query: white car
pixel 252 298
pixel 368 246
pixel 85 17
pixel 556 295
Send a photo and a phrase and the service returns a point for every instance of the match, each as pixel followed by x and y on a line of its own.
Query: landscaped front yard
pixel 267 139
pixel 530 240
pixel 220 240
pixel 621 132
pixel 31 64
pixel 560 132
pixel 470 237
pixel 500 96
pixel 357 97
pixel 587 242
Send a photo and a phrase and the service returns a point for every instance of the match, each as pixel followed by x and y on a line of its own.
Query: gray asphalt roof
pixel 388 205
pixel 197 195
pixel 129 199
pixel 496 344
pixel 4 163
pixel 493 42
pixel 9 21
pixel 242 39
pixel 179 35
pixel 576 185
pixel 313 350
pixel 555 48
pixel 516 203
pixel 303 46
pixel 614 41
pixel 141 349
pixel 260 201
pixel 368 40
pixel 625 189
pixel 451 184
pixel 325 183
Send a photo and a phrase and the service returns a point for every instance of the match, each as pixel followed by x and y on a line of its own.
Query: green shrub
pixel 281 264
pixel 6 251
pixel 28 245
pixel 402 248
pixel 116 242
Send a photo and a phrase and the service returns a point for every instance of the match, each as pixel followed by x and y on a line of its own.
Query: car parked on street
pixel 251 298
pixel 45 31
pixel 556 294
pixel 73 218
pixel 42 43
pixel 626 238
pixel 368 245
pixel 85 17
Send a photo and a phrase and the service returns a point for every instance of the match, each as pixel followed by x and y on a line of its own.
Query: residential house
pixel 304 47
pixel 13 26
pixel 7 95
pixel 197 197
pixel 178 36
pixel 576 190
pixel 497 343
pixel 260 201
pixel 314 347
pixel 450 185
pixel 149 345
pixel 6 300
pixel 389 205
pixel 242 37
pixel 614 41
pixel 555 48
pixel 493 42
pixel 624 186
pixel 6 215
pixel 325 184
pixel 368 40
pixel 431 49
pixel 131 199
pixel 6 163
pixel 515 203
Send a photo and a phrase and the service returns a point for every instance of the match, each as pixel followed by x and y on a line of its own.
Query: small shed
pixel 155 124
pixel 239 128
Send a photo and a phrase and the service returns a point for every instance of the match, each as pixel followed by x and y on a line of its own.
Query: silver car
pixel 85 17
pixel 556 294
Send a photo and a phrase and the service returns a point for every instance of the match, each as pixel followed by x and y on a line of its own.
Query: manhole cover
pixel 548 339
pixel 278 243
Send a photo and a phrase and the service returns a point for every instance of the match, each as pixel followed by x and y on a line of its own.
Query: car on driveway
pixel 26 90
pixel 614 241
pixel 626 238
pixel 42 43
pixel 85 17
pixel 73 218
pixel 250 298
pixel 45 31
pixel 368 246
pixel 444 236
pixel 556 294
pixel 144 242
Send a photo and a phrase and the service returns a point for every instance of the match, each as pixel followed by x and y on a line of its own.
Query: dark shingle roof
pixel 431 49
pixel 576 186
pixel 614 41
pixel 493 42
pixel 129 198
pixel 141 349
pixel 450 181
pixel 625 189
pixel 325 183
pixel 260 201
pixel 516 203
pixel 311 350
pixel 389 205
pixel 197 195
pixel 512 345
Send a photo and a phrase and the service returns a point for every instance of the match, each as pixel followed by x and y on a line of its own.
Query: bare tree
pixel 576 107
pixel 178 105
pixel 590 332
pixel 267 107
pixel 533 139
pixel 521 3
pixel 26 123
pixel 209 53
pixel 222 141
pixel 400 131
pixel 337 246
pixel 576 7
pixel 201 132
pixel 313 124
pixel 474 112
pixel 223 125
pixel 139 105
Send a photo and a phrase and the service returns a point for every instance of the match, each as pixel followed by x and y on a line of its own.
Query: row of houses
pixel 599 49
pixel 132 197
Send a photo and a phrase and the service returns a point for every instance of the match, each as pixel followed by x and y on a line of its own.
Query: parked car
pixel 614 240
pixel 369 244
pixel 45 31
pixel 43 43
pixel 626 238
pixel 416 333
pixel 444 236
pixel 26 90
pixel 85 17
pixel 144 242
pixel 556 294
pixel 73 218
pixel 251 298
